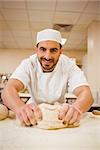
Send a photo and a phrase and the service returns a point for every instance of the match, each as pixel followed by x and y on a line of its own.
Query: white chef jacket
pixel 52 86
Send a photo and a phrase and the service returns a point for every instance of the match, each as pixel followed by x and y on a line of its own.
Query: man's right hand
pixel 29 114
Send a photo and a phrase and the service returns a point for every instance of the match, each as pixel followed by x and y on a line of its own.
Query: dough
pixel 11 115
pixel 96 112
pixel 3 112
pixel 50 119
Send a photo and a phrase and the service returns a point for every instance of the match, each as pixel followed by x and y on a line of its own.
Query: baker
pixel 48 75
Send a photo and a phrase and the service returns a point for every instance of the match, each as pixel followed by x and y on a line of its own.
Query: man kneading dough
pixel 48 74
pixel 50 118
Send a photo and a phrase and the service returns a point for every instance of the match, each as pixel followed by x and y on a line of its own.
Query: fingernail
pixel 36 123
pixel 64 122
pixel 59 117
pixel 31 125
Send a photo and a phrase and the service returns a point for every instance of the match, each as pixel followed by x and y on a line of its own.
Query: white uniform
pixel 49 87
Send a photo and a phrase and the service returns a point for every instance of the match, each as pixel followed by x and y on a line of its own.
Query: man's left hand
pixel 69 114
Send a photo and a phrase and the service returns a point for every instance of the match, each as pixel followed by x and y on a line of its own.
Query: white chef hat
pixel 49 34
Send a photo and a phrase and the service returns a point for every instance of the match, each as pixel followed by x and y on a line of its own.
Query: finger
pixel 63 111
pixel 20 120
pixel 69 115
pixel 33 106
pixel 31 116
pixel 78 118
pixel 25 118
pixel 38 115
pixel 33 120
pixel 77 109
pixel 74 118
pixel 76 123
pixel 37 111
pixel 19 117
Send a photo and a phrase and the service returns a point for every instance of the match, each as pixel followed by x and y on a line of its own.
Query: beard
pixel 47 65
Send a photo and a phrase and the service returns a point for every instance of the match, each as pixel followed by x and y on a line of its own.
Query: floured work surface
pixel 84 137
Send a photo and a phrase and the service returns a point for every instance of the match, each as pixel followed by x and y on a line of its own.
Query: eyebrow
pixel 50 48
pixel 42 47
pixel 54 48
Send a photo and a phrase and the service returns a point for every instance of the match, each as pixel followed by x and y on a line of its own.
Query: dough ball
pixel 11 114
pixel 50 117
pixel 3 112
pixel 96 112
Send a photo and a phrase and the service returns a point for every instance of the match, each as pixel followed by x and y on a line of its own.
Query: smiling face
pixel 48 53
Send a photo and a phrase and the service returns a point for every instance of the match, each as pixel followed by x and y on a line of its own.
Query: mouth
pixel 47 65
pixel 47 62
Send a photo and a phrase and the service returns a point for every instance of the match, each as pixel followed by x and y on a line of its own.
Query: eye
pixel 42 49
pixel 53 50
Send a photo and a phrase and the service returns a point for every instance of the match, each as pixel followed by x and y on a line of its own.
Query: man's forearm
pixel 84 99
pixel 11 99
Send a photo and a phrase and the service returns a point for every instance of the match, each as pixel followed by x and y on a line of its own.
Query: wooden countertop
pixel 84 137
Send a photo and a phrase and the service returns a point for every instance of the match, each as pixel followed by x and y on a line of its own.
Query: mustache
pixel 47 59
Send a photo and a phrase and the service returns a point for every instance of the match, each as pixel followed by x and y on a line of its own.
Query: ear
pixel 60 50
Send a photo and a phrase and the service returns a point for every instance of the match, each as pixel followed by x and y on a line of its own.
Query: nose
pixel 47 55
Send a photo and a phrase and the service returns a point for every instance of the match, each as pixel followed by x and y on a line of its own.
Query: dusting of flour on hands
pixel 50 119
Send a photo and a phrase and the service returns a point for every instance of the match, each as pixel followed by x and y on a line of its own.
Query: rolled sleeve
pixel 22 73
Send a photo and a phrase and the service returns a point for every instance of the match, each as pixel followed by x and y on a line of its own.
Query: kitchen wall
pixel 91 63
pixel 79 55
pixel 10 59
